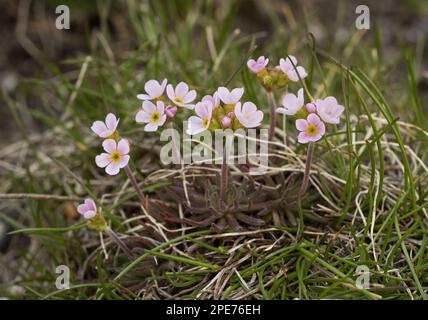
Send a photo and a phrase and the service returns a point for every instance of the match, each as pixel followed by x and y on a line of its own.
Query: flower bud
pixel 226 122
pixel 311 107
pixel 171 111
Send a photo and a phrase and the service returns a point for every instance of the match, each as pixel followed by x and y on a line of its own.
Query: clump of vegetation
pixel 344 185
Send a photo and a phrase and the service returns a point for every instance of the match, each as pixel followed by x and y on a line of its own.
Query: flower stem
pixel 120 243
pixel 134 183
pixel 272 114
pixel 309 157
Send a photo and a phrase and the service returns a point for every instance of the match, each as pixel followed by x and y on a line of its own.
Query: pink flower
pixel 226 122
pixel 286 66
pixel 214 99
pixel 88 208
pixel 201 122
pixel 181 95
pixel 257 66
pixel 107 128
pixel 230 97
pixel 171 111
pixel 248 115
pixel 292 103
pixel 329 110
pixel 154 90
pixel 312 129
pixel 116 156
pixel 311 107
pixel 153 115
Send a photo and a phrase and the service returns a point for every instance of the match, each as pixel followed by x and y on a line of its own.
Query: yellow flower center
pixel 311 130
pixel 155 117
pixel 179 100
pixel 116 156
pixel 205 122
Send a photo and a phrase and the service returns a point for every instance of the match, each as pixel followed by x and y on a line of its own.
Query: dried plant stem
pixel 119 242
pixel 309 157
pixel 272 114
pixel 134 183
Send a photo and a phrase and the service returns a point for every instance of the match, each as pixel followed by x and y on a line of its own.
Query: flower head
pixel 214 99
pixel 88 208
pixel 329 110
pixel 292 103
pixel 153 115
pixel 115 156
pixel 154 90
pixel 287 67
pixel 201 122
pixel 259 65
pixel 248 115
pixel 230 97
pixel 181 96
pixel 312 129
pixel 107 128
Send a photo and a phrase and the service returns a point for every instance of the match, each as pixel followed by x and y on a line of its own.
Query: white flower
pixel 292 103
pixel 201 122
pixel 329 110
pixel 230 97
pixel 214 99
pixel 181 95
pixel 286 66
pixel 153 115
pixel 154 90
pixel 107 128
pixel 248 115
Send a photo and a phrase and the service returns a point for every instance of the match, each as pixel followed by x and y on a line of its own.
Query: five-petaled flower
pixel 107 128
pixel 214 99
pixel 88 209
pixel 201 122
pixel 248 115
pixel 292 103
pixel 115 156
pixel 230 97
pixel 154 90
pixel 289 67
pixel 181 95
pixel 312 129
pixel 259 65
pixel 153 115
pixel 329 110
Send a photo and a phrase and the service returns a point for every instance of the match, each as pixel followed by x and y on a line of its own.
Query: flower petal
pixel 98 127
pixel 109 145
pixel 151 127
pixel 103 160
pixel 123 146
pixel 142 116
pixel 113 168
pixel 89 214
pixel 124 161
pixel 301 124
pixel 111 122
pixel 190 96
pixel 170 92
pixel 90 204
pixel 195 125
pixel 181 90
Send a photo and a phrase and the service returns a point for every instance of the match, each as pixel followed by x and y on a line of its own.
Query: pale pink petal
pixel 301 124
pixel 103 160
pixel 195 125
pixel 170 92
pixel 143 96
pixel 113 168
pixel 90 204
pixel 313 119
pixel 109 145
pixel 124 161
pixel 190 96
pixel 162 120
pixel 160 107
pixel 303 137
pixel 149 107
pixel 98 127
pixel 153 88
pixel 150 127
pixel 82 208
pixel 181 90
pixel 89 214
pixel 123 146
pixel 163 85
pixel 236 94
pixel 111 122
pixel 292 74
pixel 142 116
pixel 249 108
pixel 300 97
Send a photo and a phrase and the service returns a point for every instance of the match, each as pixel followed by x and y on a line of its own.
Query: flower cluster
pixel 116 149
pixel 279 76
pixel 224 110
pixel 157 107
pixel 312 117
